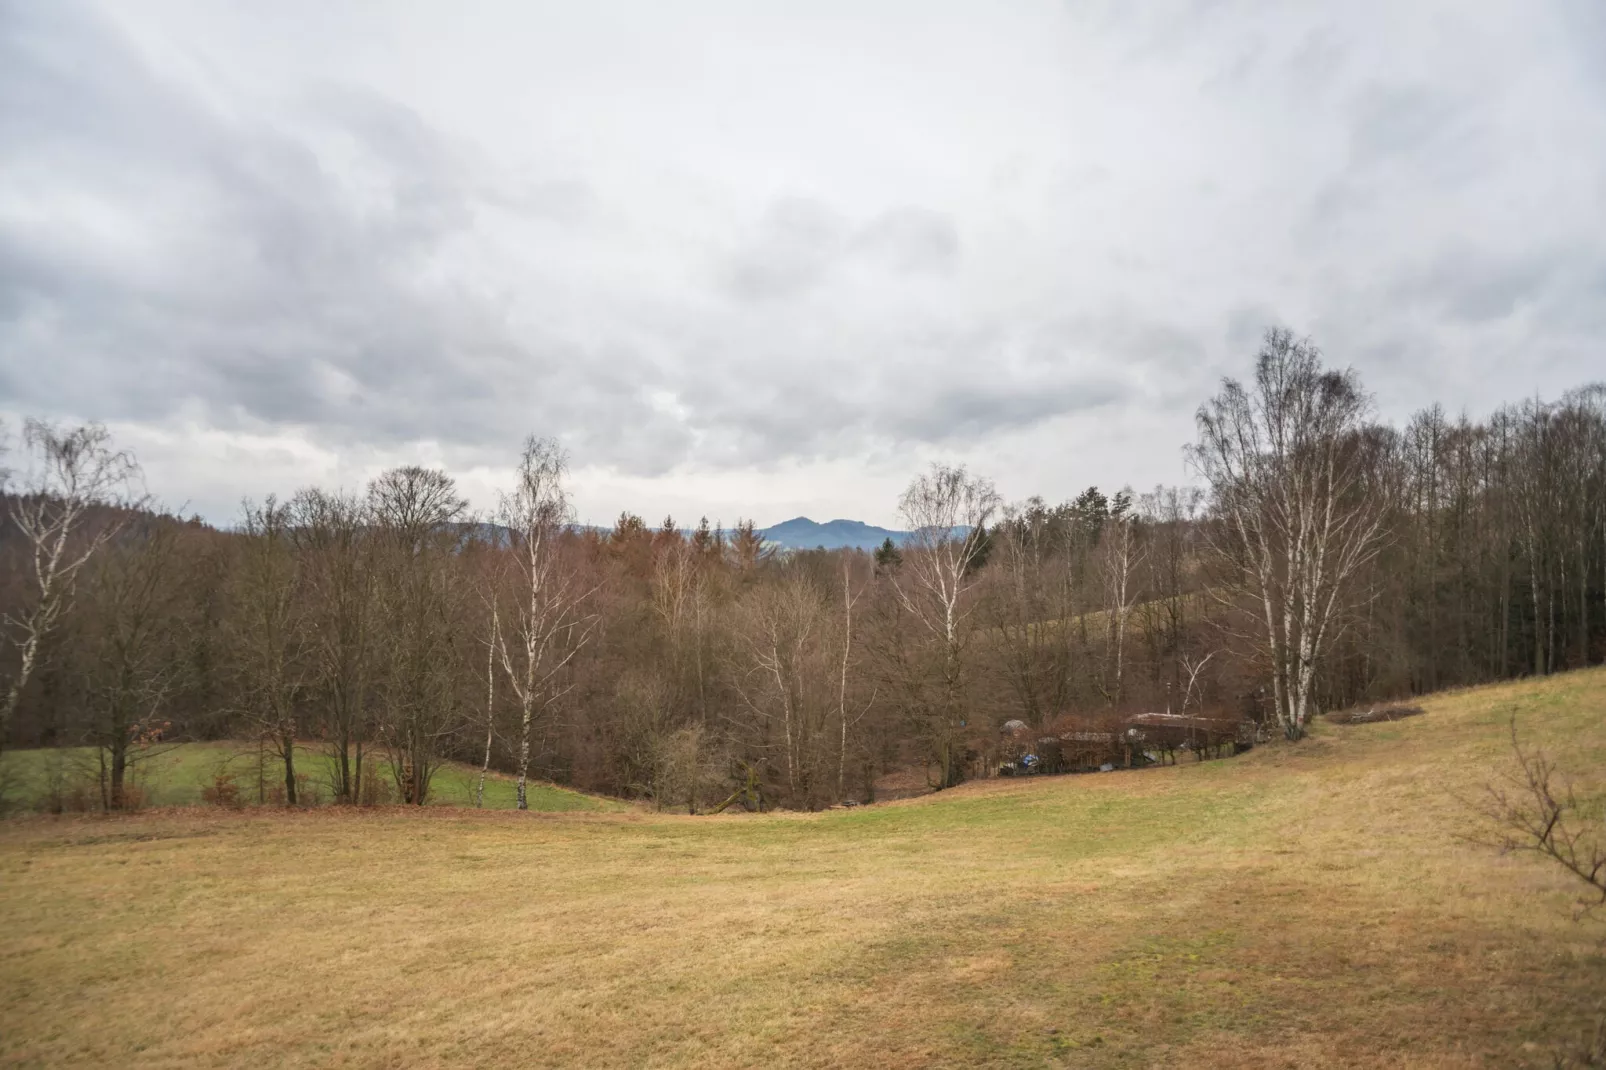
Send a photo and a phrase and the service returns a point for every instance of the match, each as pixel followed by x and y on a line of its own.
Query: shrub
pixel 377 791
pixel 77 798
pixel 223 791
pixel 308 793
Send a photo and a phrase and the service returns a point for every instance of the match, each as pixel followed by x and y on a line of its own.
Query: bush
pixel 76 798
pixel 377 791
pixel 308 793
pixel 223 791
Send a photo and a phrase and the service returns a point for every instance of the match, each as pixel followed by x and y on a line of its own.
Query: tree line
pixel 1322 559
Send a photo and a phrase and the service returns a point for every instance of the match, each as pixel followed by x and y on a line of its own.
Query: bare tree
pixel 269 632
pixel 1032 607
pixel 1123 554
pixel 1581 424
pixel 782 673
pixel 418 522
pixel 946 511
pixel 680 594
pixel 850 598
pixel 72 472
pixel 1539 495
pixel 134 638
pixel 490 701
pixel 1301 506
pixel 335 554
pixel 1538 814
pixel 546 626
pixel 1534 810
pixel 1170 517
pixel 1193 668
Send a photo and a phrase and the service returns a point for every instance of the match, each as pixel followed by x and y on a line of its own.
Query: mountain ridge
pixel 803 533
pixel 798 533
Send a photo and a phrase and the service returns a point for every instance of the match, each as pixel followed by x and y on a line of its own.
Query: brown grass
pixel 1300 906
pixel 1396 711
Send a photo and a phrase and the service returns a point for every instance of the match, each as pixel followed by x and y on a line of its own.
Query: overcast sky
pixel 764 259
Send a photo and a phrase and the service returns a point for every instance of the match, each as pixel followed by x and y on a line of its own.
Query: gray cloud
pixel 914 240
pixel 358 234
pixel 799 243
pixel 790 251
pixel 244 272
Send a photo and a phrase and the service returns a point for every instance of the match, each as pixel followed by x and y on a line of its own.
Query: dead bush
pixel 223 791
pixel 377 791
pixel 78 798
pixel 308 791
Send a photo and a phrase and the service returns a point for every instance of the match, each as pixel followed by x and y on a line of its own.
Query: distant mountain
pixel 801 533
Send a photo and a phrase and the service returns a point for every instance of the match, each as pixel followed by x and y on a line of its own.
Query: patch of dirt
pixel 129 836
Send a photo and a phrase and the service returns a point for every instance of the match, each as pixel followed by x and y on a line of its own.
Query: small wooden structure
pixel 1168 733
pixel 1116 741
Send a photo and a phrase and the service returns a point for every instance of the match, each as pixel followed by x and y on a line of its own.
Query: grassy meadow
pixel 176 774
pixel 1298 906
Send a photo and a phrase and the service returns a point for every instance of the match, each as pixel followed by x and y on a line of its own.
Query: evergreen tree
pixel 887 557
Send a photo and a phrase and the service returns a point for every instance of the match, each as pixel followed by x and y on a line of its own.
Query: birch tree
pixel 490 703
pixel 850 598
pixel 680 600
pixel 1033 604
pixel 946 511
pixel 1300 505
pixel 545 625
pixel 785 655
pixel 1170 518
pixel 1123 553
pixel 71 472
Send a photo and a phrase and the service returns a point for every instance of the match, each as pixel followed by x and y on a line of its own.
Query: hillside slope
pixel 1305 906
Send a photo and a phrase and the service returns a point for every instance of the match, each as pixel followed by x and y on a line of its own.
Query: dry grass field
pixel 1302 906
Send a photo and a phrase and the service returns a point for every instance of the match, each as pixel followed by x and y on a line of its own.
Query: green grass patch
pixel 177 774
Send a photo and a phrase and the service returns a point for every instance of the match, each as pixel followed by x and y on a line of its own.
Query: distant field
pixel 1306 906
pixel 174 775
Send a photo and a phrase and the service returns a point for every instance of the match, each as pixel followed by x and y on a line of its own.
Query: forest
pixel 1315 559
